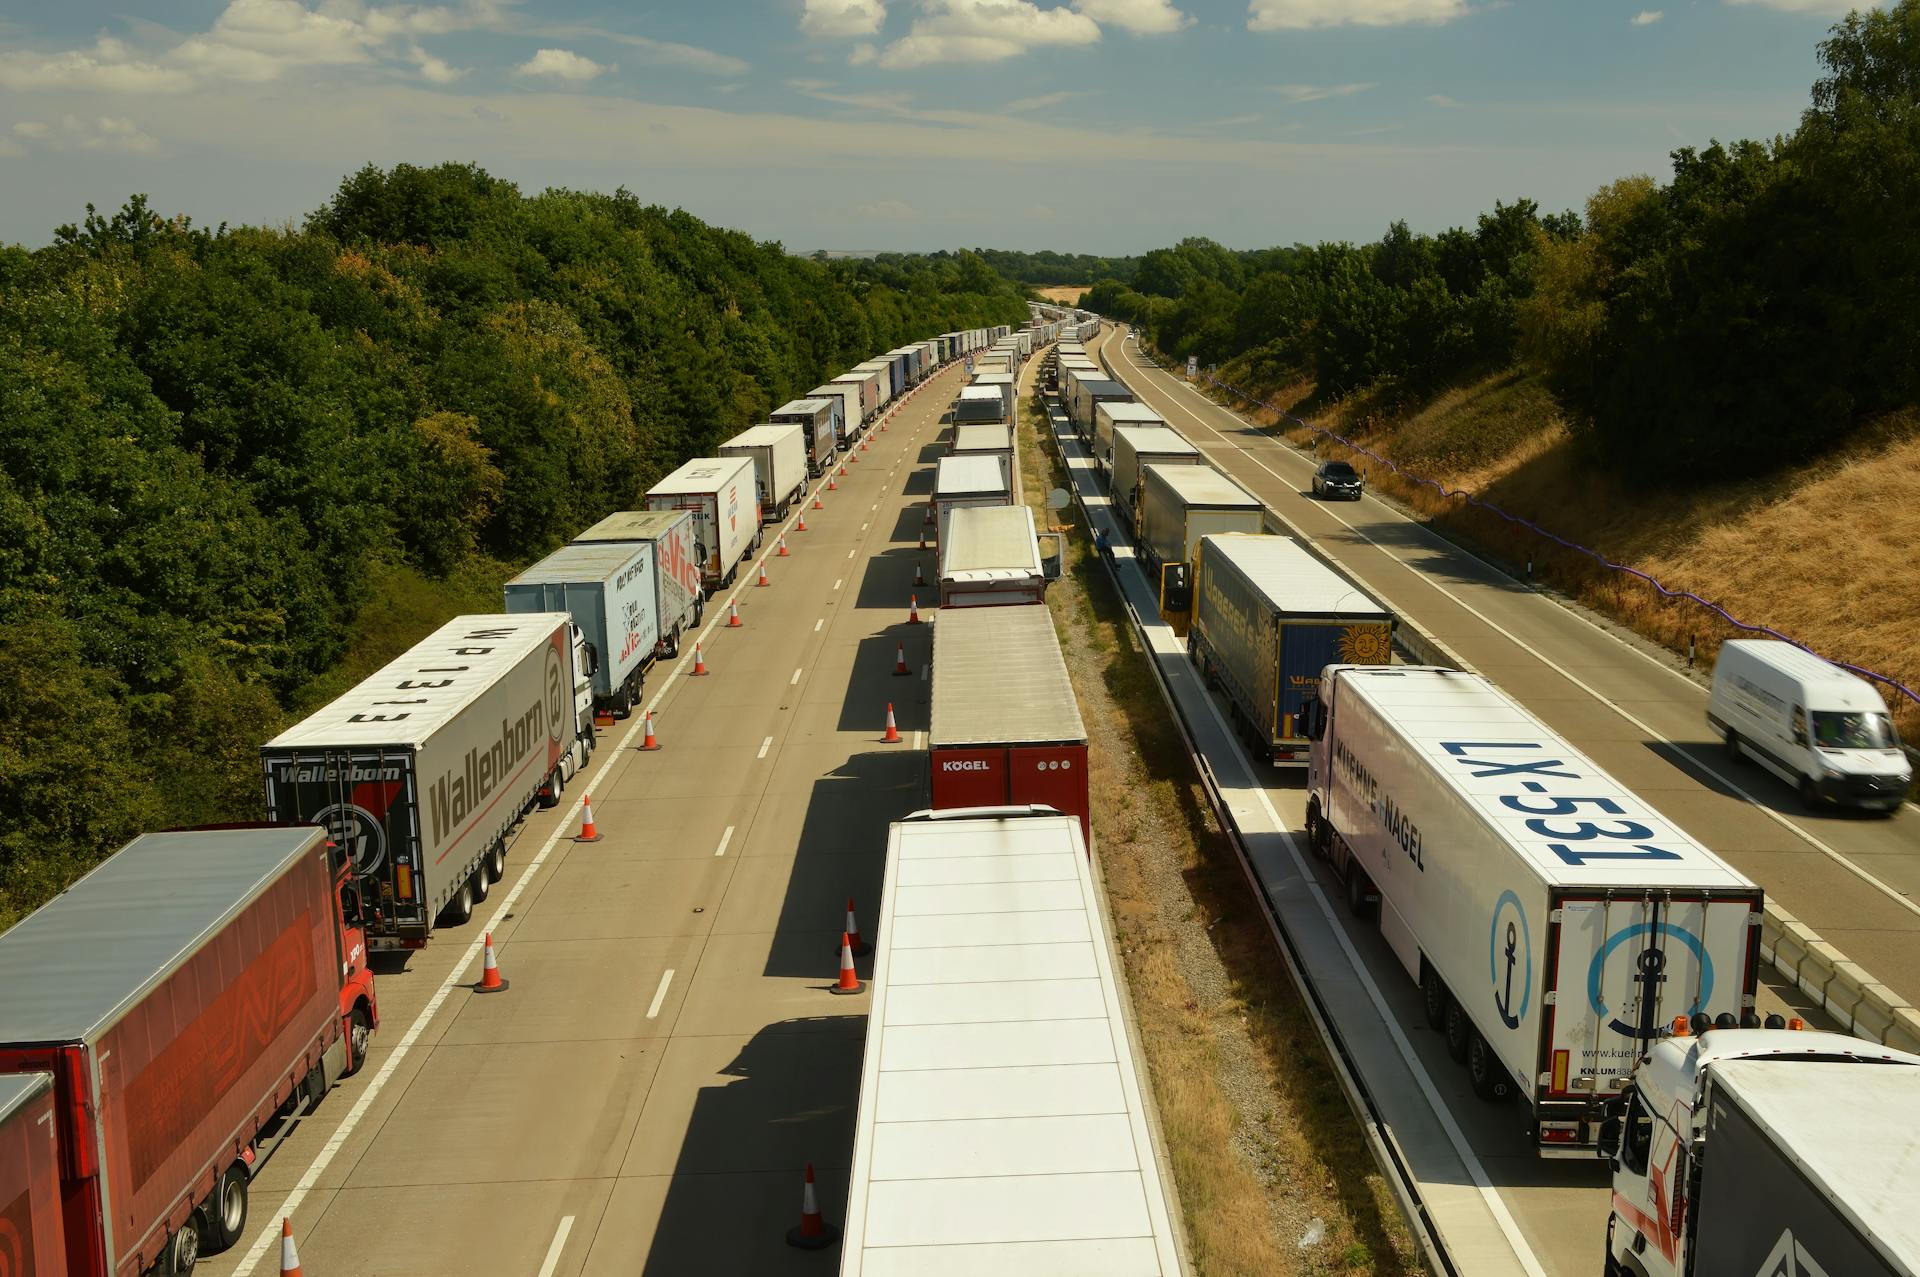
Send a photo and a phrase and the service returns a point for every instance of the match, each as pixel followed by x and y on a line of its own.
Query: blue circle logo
pixel 1650 967
pixel 1510 960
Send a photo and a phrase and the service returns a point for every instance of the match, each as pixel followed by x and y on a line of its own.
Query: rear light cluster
pixel 1684 1027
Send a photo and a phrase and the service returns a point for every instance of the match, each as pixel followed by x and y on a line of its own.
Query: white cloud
pixel 1647 17
pixel 1296 93
pixel 433 70
pixel 109 67
pixel 1442 100
pixel 663 52
pixel 887 210
pixel 1142 17
pixel 863 54
pixel 1836 7
pixel 1295 15
pixel 257 39
pixel 843 17
pixel 101 133
pixel 1230 122
pixel 561 64
pixel 31 130
pixel 1044 101
pixel 984 31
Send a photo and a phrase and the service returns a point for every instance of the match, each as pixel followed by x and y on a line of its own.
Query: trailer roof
pixel 982 436
pixel 1200 485
pixel 702 474
pixel 16 1089
pixel 767 433
pixel 633 525
pixel 1002 1126
pixel 1434 707
pixel 1288 577
pixel 971 473
pixel 999 679
pixel 990 379
pixel 858 375
pixel 1102 386
pixel 1125 413
pixel 982 393
pixel 1147 440
pixel 802 407
pixel 157 898
pixel 592 561
pixel 990 541
pixel 508 639
pixel 1850 1128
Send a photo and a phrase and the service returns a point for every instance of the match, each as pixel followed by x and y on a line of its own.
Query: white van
pixel 1811 723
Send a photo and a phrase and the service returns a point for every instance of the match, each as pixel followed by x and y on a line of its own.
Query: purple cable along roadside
pixel 1557 539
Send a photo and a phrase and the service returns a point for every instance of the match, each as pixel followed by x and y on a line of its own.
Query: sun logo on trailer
pixel 1366 645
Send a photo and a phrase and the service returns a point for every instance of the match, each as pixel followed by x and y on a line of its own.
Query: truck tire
pixel 699 606
pixel 1433 996
pixel 226 1211
pixel 1488 1075
pixel 673 643
pixel 496 862
pixel 1316 830
pixel 1460 1032
pixel 359 1036
pixel 480 883
pixel 1734 753
pixel 182 1250
pixel 550 795
pixel 1357 903
pixel 458 911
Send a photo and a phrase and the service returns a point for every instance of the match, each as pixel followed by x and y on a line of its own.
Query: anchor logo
pixel 1510 960
pixel 1504 1003
pixel 1651 966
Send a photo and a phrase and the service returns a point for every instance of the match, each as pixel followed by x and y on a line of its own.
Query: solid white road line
pixel 660 994
pixel 552 1260
pixel 725 838
pixel 765 745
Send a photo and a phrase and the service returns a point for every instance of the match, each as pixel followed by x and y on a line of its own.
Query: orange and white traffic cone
pixel 923 537
pixel 900 660
pixel 289 1253
pixel 893 733
pixel 853 458
pixel 860 947
pixel 733 613
pixel 919 575
pixel 491 981
pixel 863 445
pixel 699 663
pixel 850 981
pixel 913 609
pixel 780 546
pixel 652 742
pixel 831 485
pixel 814 1232
pixel 816 496
pixel 588 832
pixel 763 583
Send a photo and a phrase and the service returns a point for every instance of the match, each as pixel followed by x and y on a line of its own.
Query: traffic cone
pixel 853 458
pixel 831 486
pixel 923 538
pixel 491 981
pixel 780 547
pixel 893 733
pixel 913 609
pixel 816 496
pixel 900 659
pixel 763 583
pixel 860 947
pixel 800 525
pixel 919 576
pixel 588 832
pixel 289 1254
pixel 733 613
pixel 699 663
pixel 850 981
pixel 863 445
pixel 814 1232
pixel 652 742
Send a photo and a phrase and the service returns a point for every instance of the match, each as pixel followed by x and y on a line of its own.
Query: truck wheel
pixel 496 864
pixel 1433 995
pixel 1460 1032
pixel 1316 831
pixel 673 643
pixel 182 1250
pixel 699 607
pixel 458 911
pixel 1809 797
pixel 1489 1077
pixel 359 1035
pixel 550 793
pixel 1357 903
pixel 1733 746
pixel 226 1211
pixel 480 883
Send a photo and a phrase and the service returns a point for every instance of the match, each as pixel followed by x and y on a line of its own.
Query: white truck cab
pixel 1814 725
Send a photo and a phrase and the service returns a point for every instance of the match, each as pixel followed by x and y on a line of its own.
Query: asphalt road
pixel 1854 879
pixel 668 1056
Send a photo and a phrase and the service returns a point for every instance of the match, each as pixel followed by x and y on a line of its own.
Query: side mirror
pixel 1608 1145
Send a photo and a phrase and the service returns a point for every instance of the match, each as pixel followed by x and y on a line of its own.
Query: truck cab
pixel 359 1008
pixel 1690 1183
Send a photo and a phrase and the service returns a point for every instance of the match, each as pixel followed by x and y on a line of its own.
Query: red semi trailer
pixel 1006 729
pixel 32 1241
pixel 189 997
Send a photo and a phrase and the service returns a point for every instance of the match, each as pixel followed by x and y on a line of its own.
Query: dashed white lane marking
pixel 559 1243
pixel 919 740
pixel 725 838
pixel 817 624
pixel 660 994
pixel 838 581
pixel 795 680
pixel 923 672
pixel 765 745
pixel 855 550
pixel 863 528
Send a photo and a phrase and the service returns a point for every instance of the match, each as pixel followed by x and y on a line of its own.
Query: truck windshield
pixel 1339 470
pixel 1833 730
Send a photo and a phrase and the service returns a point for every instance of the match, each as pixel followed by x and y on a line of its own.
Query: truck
pixel 1005 383
pixel 985 439
pixel 1111 413
pixel 992 555
pixel 1560 921
pixel 820 427
pixel 1088 394
pixel 881 370
pixel 422 772
pixel 780 461
pixel 959 482
pixel 1770 1151
pixel 720 491
pixel 189 998
pixel 608 590
pixel 1267 618
pixel 33 1236
pixel 679 601
pixel 850 412
pixel 1179 504
pixel 868 384
pixel 1005 727
pixel 1134 448
pixel 980 404
pixel 1067 370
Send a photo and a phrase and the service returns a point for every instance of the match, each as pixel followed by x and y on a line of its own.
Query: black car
pixel 1337 479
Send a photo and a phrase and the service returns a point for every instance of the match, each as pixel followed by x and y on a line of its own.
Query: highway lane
pixel 668 1057
pixel 1855 880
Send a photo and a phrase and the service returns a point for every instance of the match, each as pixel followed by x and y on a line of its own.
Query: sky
pixel 1101 126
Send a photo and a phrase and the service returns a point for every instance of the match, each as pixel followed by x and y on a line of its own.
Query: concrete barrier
pixel 1843 988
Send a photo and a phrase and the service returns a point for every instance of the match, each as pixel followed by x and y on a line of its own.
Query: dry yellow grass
pixel 1064 294
pixel 1258 1134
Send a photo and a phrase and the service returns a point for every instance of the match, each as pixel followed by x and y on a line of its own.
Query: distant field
pixel 1065 294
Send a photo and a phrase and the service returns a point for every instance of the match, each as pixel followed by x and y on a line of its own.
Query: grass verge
pixel 1260 1138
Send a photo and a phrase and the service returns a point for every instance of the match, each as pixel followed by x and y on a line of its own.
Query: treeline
pixel 1046 268
pixel 1752 311
pixel 212 439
